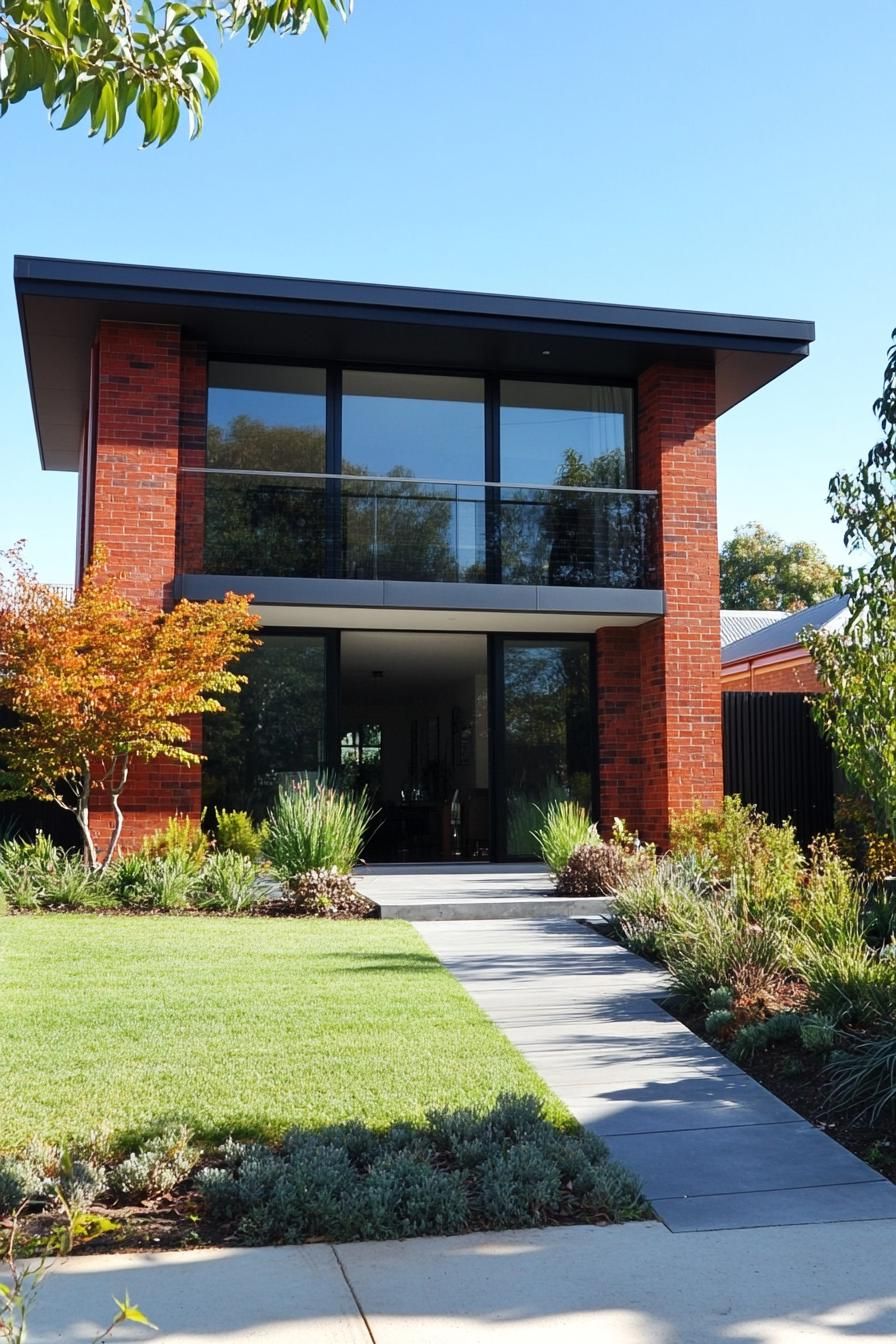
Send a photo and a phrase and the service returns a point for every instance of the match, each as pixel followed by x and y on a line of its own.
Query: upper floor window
pixel 566 434
pixel 267 417
pixel 413 425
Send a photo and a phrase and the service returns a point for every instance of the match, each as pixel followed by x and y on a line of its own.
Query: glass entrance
pixel 545 746
pixel 413 728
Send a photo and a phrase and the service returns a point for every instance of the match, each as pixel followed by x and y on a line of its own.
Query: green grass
pixel 235 1026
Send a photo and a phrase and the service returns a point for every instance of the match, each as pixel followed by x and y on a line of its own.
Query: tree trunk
pixel 115 789
pixel 82 814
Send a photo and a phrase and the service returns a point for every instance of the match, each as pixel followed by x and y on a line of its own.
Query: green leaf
pixel 212 80
pixel 321 13
pixel 171 118
pixel 128 1312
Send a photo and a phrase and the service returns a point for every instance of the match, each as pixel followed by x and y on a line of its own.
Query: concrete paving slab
pixel 737 1160
pixel 688 1101
pixel 690 1124
pixel 279 1295
pixel 635 1284
pixel 855 1202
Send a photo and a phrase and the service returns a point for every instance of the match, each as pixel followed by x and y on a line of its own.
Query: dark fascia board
pixel 113 280
pixel 748 351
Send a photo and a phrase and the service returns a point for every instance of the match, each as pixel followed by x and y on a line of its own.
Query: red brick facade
pixel 148 419
pixel 792 672
pixel 659 691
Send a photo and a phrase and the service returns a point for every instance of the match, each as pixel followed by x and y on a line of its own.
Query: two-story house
pixel 480 531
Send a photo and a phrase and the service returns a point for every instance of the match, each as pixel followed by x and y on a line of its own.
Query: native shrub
pixel 181 838
pixel 227 882
pixel 314 826
pixel 597 869
pixel 326 892
pixel 236 831
pixel 156 1166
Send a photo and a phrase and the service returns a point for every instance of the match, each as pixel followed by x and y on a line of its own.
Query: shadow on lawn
pixel 353 962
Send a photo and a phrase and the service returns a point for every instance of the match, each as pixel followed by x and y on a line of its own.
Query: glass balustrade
pixel 313 525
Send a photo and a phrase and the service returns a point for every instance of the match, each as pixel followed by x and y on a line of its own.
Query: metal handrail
pixel 413 480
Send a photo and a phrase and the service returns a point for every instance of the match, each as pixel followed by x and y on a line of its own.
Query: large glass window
pixel 265 420
pixel 560 442
pixel 546 733
pixel 413 429
pixel 273 730
pixel 565 434
pixel 267 417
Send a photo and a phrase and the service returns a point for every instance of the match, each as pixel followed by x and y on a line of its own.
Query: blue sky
pixel 698 155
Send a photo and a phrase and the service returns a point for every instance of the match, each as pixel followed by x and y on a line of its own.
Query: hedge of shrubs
pixel 458 1171
pixel 298 861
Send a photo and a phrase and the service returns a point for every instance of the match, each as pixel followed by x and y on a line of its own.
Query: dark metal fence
pixel 775 757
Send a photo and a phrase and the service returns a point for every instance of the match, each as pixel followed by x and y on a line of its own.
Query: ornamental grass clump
pixel 863 1080
pixel 315 826
pixel 40 875
pixel 228 883
pixel 565 826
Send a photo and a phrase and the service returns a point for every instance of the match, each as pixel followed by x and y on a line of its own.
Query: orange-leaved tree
pixel 93 684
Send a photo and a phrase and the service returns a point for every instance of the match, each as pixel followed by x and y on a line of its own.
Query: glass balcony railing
pixel 395 527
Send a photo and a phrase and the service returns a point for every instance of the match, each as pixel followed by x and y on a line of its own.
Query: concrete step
pixel 491 907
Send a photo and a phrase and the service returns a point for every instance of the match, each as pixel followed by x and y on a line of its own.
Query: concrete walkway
pixel 447 891
pixel 635 1284
pixel 712 1147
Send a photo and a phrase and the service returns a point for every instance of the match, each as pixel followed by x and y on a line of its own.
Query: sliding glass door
pixel 544 733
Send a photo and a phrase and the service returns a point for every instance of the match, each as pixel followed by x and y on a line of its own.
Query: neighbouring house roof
pixel 785 633
pixel 284 319
pixel 737 624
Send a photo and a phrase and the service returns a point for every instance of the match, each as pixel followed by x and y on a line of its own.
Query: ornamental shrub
pixel 156 1166
pixel 595 869
pixel 181 839
pixel 237 831
pixel 737 845
pixel 505 1167
pixel 817 1033
pixel 326 892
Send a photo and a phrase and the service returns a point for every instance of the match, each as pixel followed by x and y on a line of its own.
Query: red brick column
pixel 681 732
pixel 149 417
pixel 620 757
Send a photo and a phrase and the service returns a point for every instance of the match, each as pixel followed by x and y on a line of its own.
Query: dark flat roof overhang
pixel 275 318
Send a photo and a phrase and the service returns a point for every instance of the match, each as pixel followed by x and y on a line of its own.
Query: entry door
pixel 544 733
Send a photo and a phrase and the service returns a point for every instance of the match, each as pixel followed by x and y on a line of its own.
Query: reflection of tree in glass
pixel 259 526
pixel 398 528
pixel 557 537
pixel 278 526
pixel 547 727
pixel 274 726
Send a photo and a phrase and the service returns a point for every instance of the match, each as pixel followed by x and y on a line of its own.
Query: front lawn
pixel 243 1027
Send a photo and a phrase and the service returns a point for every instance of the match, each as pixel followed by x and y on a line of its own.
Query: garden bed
pixel 799 1078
